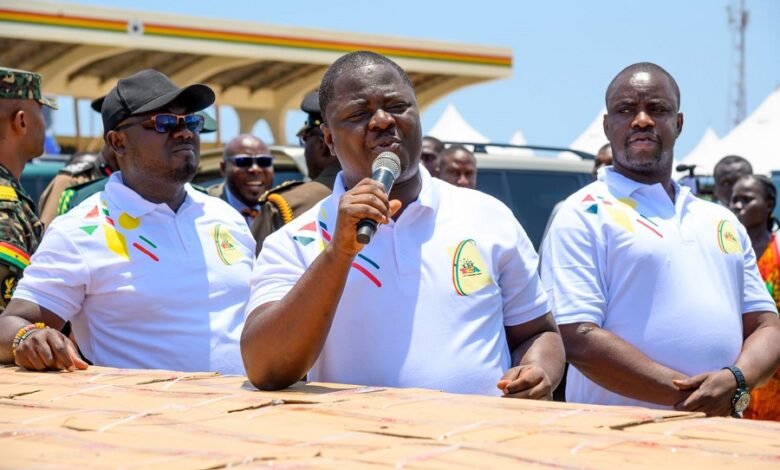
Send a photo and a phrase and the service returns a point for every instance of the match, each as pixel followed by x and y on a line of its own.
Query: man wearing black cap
pixel 150 272
pixel 292 198
pixel 87 174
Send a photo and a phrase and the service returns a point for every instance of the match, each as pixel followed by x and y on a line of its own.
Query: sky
pixel 564 53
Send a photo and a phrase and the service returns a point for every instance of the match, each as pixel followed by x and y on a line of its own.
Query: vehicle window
pixel 530 194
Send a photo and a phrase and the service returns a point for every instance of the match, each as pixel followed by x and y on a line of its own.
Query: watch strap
pixel 741 383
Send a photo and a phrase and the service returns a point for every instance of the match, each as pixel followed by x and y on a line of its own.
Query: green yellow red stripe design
pixel 67 21
pixel 154 29
pixel 14 256
pixel 455 262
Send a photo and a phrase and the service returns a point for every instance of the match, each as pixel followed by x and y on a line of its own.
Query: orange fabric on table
pixel 765 400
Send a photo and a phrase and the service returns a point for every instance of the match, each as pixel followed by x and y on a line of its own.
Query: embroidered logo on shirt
pixel 468 269
pixel 727 238
pixel 227 247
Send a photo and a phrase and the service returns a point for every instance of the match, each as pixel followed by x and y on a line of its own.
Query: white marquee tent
pixel 593 138
pixel 757 138
pixel 452 127
pixel 707 149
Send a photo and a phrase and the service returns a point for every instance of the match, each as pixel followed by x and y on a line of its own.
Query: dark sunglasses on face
pixel 168 122
pixel 246 161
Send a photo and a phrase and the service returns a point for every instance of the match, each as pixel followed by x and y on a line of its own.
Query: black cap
pixel 209 123
pixel 146 91
pixel 311 106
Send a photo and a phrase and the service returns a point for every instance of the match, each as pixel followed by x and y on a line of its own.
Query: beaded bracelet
pixel 24 332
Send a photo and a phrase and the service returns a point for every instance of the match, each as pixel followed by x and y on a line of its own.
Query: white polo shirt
pixel 426 302
pixel 146 287
pixel 671 278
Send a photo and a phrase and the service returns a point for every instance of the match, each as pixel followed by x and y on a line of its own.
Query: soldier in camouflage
pixel 22 131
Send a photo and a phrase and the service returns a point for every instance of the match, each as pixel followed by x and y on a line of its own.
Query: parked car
pixel 529 183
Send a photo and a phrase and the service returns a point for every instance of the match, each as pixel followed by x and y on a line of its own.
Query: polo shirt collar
pixel 428 197
pixel 625 187
pixel 134 204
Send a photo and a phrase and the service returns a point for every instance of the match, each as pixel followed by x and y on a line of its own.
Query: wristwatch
pixel 741 399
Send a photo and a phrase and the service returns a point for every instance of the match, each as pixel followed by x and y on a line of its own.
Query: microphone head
pixel 388 161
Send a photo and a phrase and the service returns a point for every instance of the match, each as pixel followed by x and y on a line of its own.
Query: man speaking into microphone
pixel 443 294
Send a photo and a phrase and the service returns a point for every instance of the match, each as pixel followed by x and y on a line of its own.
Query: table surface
pixel 105 417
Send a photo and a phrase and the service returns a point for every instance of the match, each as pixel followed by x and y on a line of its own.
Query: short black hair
pixel 348 62
pixel 436 142
pixel 449 151
pixel 648 67
pixel 729 159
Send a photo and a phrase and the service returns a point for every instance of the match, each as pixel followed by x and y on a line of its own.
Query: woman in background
pixel 753 200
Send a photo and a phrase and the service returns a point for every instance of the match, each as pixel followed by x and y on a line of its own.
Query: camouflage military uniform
pixel 283 203
pixel 20 233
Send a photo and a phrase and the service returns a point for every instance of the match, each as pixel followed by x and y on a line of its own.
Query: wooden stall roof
pixel 262 70
pixel 104 417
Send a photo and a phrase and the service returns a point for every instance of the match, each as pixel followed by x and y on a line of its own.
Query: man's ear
pixel 19 122
pixel 117 142
pixel 328 138
pixel 222 168
pixel 604 124
pixel 679 123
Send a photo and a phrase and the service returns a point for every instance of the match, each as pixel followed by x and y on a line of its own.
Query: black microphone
pixel 385 169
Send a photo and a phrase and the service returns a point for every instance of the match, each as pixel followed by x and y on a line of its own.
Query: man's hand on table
pixel 526 381
pixel 48 349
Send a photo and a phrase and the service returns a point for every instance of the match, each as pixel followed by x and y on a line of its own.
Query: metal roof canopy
pixel 263 71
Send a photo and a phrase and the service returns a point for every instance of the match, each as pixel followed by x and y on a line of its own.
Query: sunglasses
pixel 168 122
pixel 246 161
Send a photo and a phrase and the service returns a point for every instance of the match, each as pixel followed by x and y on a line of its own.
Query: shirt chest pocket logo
pixel 227 247
pixel 728 242
pixel 469 270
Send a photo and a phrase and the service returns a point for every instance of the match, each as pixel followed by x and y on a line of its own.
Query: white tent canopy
pixel 757 138
pixel 707 149
pixel 518 138
pixel 451 126
pixel 593 138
